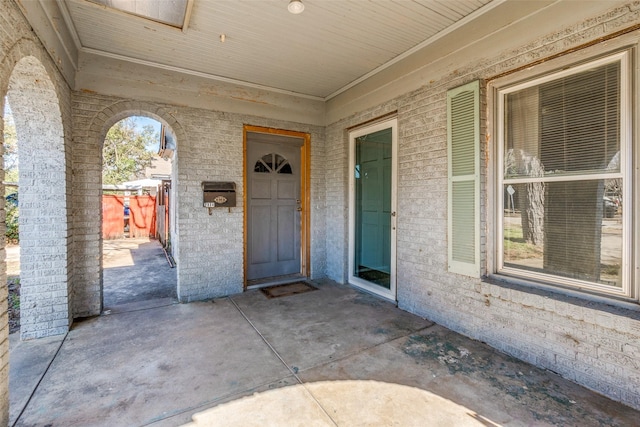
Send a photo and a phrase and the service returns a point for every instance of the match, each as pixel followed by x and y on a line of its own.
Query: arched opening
pixel 137 265
pixel 12 215
pixel 42 201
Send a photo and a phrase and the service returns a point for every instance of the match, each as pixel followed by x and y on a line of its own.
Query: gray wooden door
pixel 273 196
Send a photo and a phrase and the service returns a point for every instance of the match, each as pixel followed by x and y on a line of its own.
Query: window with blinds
pixel 563 185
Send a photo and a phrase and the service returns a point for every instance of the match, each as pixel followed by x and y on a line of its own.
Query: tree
pixel 11 210
pixel 530 195
pixel 10 149
pixel 533 205
pixel 124 154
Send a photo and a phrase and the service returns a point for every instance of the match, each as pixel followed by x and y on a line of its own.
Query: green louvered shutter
pixel 463 153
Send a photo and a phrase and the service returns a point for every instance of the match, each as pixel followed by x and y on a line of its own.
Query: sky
pixel 8 115
pixel 141 122
pixel 144 121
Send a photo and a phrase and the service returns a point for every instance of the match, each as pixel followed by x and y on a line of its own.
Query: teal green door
pixel 373 213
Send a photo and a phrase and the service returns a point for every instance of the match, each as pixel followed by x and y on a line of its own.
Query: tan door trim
pixel 305 193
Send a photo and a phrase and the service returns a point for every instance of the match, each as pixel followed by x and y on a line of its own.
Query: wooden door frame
pixel 305 194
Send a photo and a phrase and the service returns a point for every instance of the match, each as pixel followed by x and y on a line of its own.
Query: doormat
pixel 288 289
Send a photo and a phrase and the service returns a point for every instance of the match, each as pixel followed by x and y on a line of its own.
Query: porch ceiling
pixel 319 53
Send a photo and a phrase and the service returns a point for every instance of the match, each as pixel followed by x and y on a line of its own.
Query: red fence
pixel 112 217
pixel 142 216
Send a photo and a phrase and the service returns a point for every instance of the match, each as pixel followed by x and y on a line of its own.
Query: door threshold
pixel 373 289
pixel 276 280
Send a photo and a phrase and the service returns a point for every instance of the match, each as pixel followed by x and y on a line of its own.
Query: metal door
pixel 274 205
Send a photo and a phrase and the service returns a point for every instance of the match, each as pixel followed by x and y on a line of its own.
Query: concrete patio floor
pixel 135 270
pixel 334 356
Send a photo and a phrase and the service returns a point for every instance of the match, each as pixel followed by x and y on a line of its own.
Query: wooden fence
pixel 141 221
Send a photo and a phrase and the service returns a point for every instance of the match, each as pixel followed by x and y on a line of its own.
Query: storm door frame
pixel 385 123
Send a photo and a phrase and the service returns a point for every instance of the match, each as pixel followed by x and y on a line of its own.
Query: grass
pixel 13 283
pixel 516 247
pixel 610 269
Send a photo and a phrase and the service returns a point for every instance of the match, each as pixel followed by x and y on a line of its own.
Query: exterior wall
pixel 208 249
pixel 93 117
pixel 159 166
pixel 118 78
pixel 590 342
pixel 210 254
pixel 337 202
pixel 17 42
pixel 44 234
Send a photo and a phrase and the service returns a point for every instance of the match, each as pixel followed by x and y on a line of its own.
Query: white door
pixel 372 208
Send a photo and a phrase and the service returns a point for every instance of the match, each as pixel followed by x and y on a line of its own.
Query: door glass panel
pixel 273 162
pixel 373 155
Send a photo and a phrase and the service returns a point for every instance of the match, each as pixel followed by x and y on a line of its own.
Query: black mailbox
pixel 218 194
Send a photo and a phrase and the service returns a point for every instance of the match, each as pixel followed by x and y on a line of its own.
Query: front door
pixel 372 208
pixel 274 205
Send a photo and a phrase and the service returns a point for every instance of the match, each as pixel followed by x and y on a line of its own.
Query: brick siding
pixel 41 106
pixel 589 342
pixel 208 248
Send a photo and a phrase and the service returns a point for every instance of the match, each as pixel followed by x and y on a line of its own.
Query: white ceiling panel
pixel 330 45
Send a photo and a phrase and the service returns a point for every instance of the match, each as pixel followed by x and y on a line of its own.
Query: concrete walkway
pixel 334 356
pixel 136 270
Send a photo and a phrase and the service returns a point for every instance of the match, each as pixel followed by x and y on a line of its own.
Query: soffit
pixel 317 54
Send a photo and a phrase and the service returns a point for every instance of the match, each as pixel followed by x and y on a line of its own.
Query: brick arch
pixel 91 297
pixel 44 233
pixel 23 48
pixel 103 120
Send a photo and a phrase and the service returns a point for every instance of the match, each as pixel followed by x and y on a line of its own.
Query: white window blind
pixel 564 177
pixel 463 153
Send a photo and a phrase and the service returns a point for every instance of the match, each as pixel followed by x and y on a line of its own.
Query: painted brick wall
pixel 591 343
pixel 208 248
pixel 210 258
pixel 44 277
pixel 49 257
pixel 86 198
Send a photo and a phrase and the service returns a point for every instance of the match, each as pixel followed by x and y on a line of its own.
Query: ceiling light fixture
pixel 295 6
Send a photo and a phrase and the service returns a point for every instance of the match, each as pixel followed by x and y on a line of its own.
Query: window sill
pixel 617 306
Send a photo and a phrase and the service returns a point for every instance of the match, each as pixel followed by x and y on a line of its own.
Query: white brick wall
pixel 591 343
pixel 41 107
pixel 208 248
pixel 210 258
pixel 93 116
pixel 44 277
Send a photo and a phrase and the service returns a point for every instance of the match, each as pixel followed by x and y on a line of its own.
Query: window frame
pixel 552 70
